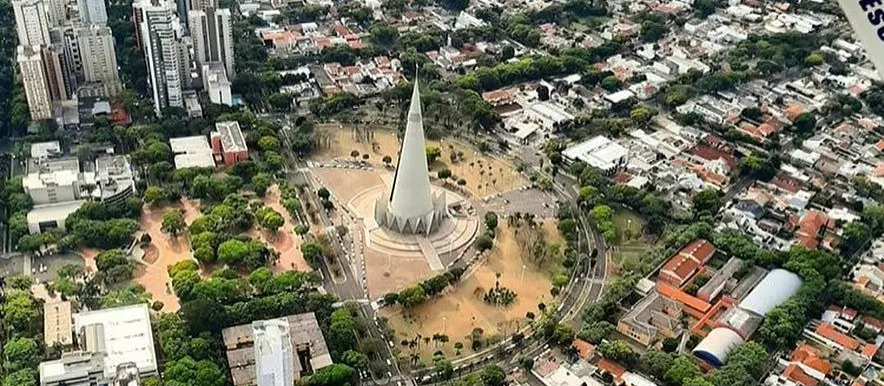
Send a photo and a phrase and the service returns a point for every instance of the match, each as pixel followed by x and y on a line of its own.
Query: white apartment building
pixel 36 84
pixel 92 12
pixel 216 84
pixel 160 37
pixel 98 58
pixel 212 38
pixel 31 22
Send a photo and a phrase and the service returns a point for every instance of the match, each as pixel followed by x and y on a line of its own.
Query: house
pixel 836 338
pixel 811 228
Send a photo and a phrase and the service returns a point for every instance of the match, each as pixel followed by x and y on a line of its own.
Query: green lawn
pixel 629 245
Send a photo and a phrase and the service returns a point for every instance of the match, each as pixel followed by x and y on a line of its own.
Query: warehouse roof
pixel 777 287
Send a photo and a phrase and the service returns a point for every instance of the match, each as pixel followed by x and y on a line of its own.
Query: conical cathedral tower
pixel 412 207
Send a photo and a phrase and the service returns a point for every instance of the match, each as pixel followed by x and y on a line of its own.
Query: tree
pixel 269 219
pixel 23 377
pixel 261 182
pixel 655 363
pixel 155 194
pixel 704 8
pixel 493 375
pixel 670 345
pixel 111 258
pixel 173 222
pixel 21 353
pixel 355 359
pixel 301 229
pixel 412 296
pixel 653 31
pixel 611 83
pixel 312 252
pixel 333 375
pixel 542 93
pixel 189 372
pixel 526 363
pixel 433 153
pixel 707 201
pixel 443 368
pixel 595 332
pixel 490 221
pixel 387 160
pixel 641 115
pixel 233 251
pixel 682 369
pixel 323 193
pixel 805 123
pixel 617 350
pixel 19 312
pixel 268 142
pixel 484 242
pixel 444 174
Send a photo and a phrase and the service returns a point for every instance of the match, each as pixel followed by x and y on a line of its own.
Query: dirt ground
pixel 385 273
pixel 342 141
pixel 498 177
pixel 345 184
pixel 285 241
pixel 163 251
pixel 460 310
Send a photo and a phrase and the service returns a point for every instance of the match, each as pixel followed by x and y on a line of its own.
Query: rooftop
pixel 232 139
pixel 126 336
pixel 53 212
pixel 57 323
pixel 192 152
pixel 45 149
pixel 599 152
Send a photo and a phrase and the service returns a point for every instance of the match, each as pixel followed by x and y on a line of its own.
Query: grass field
pixel 629 244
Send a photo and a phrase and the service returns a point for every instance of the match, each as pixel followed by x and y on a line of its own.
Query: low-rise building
pixel 599 152
pixel 652 318
pixel 192 152
pixel 686 263
pixel 229 142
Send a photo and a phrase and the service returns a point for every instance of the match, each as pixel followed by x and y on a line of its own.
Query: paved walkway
pixel 430 254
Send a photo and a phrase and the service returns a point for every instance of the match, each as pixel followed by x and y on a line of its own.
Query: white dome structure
pixel 777 287
pixel 717 345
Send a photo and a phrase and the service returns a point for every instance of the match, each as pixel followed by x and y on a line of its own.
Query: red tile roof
pixel 828 331
pixel 584 349
pixel 797 375
pixel 686 262
pixel 711 154
pixel 869 350
pixel 810 356
pixel 682 297
pixel 810 227
pixel 612 367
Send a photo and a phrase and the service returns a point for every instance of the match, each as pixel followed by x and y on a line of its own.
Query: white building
pixel 216 84
pixel 192 152
pixel 212 38
pixel 599 152
pixel 274 355
pixel 123 334
pixel 51 216
pixel 92 12
pixel 31 22
pixel 98 58
pixel 159 31
pixel 35 82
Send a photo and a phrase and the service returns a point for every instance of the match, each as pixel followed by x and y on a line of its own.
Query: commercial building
pixel 275 352
pixel 92 12
pixel 51 216
pixel 160 41
pixel 212 36
pixel 229 142
pixel 192 152
pixel 599 152
pixel 53 180
pixel 99 60
pixel 31 22
pixel 216 84
pixel 35 82
pixel 116 348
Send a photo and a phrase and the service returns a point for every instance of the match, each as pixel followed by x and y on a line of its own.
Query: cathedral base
pixel 419 225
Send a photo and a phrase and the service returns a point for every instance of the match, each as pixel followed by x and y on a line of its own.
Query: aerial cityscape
pixel 448 192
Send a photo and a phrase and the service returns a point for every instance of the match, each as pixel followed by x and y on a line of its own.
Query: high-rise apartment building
pixel 92 12
pixel 99 61
pixel 31 22
pixel 56 12
pixel 35 82
pixel 212 38
pixel 162 48
pixel 59 77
